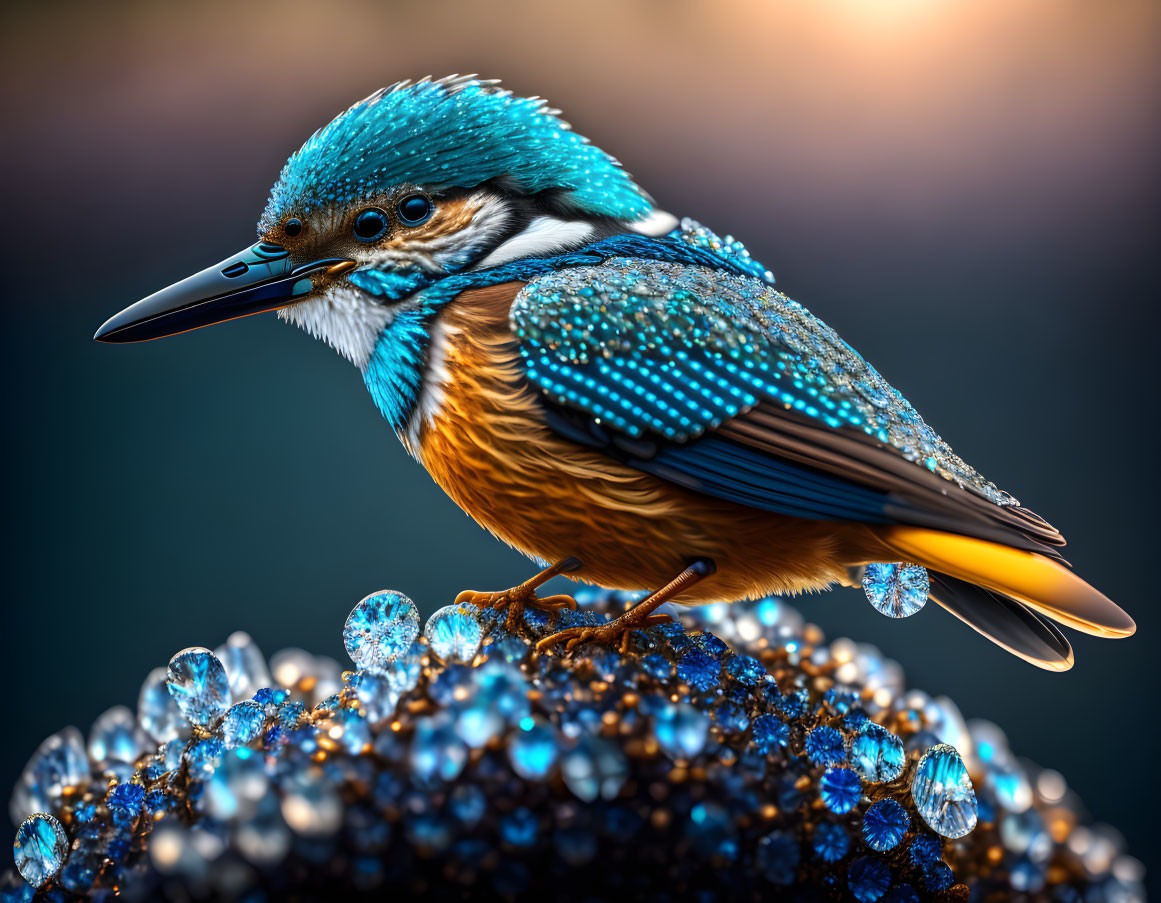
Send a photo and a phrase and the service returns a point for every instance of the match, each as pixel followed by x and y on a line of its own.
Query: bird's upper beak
pixel 259 279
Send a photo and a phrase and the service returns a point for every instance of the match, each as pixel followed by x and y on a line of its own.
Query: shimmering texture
pixel 826 746
pixel 245 665
pixel 380 629
pixel 451 132
pixel 675 350
pixel 884 824
pixel 877 754
pixel 58 764
pixel 115 737
pixel 943 793
pixel 197 681
pixel 840 790
pixel 698 670
pixel 769 733
pixel 157 710
pixel 454 633
pixel 243 722
pixel 896 589
pixel 39 849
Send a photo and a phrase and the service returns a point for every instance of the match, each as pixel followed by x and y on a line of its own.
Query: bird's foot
pixel 523 596
pixel 620 630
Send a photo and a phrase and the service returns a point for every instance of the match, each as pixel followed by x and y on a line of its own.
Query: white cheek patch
pixel 344 318
pixel 543 236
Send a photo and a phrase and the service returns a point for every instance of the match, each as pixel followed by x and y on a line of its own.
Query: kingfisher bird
pixel 620 395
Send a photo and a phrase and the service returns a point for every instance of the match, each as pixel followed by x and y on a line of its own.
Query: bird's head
pixel 417 182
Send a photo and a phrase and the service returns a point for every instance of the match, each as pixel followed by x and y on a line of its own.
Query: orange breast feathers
pixel 489 449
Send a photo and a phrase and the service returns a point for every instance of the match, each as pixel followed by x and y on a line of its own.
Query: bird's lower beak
pixel 259 279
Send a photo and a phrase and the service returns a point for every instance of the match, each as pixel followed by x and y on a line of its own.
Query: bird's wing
pixel 717 382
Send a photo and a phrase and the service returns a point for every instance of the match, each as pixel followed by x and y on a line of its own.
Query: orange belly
pixel 552 498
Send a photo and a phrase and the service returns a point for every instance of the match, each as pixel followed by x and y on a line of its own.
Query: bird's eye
pixel 414 209
pixel 292 227
pixel 371 224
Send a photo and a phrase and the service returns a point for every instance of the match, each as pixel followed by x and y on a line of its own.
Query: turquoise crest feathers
pixel 452 132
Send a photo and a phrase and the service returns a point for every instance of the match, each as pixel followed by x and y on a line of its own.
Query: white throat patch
pixel 344 318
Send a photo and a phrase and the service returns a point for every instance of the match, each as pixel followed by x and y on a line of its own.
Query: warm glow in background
pixel 968 190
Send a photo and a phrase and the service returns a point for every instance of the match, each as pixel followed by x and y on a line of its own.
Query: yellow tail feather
pixel 1040 583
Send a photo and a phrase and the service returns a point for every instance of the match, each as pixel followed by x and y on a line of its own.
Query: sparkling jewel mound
pixel 896 589
pixel 730 755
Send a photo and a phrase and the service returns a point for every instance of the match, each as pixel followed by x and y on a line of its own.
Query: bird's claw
pixel 515 601
pixel 620 630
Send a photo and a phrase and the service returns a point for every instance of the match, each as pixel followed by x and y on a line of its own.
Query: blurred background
pixel 968 191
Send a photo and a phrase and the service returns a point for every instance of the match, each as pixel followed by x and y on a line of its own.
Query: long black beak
pixel 259 279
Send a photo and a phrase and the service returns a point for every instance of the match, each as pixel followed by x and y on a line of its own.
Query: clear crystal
pixel 115 737
pixel 877 754
pixel 943 794
pixel 897 590
pixel 157 711
pixel 245 665
pixel 380 629
pixel 40 848
pixel 454 633
pixel 59 763
pixel 196 679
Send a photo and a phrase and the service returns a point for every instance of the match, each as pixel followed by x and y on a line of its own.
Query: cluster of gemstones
pixel 729 754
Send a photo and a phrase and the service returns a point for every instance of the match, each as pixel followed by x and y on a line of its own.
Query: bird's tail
pixel 982 583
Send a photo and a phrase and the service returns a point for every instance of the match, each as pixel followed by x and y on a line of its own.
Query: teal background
pixel 968 193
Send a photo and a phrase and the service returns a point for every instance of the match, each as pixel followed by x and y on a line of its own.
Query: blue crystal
pixel 380 629
pixel 115 737
pixel 840 789
pixel 269 696
pixel 594 768
pixel 733 717
pixel 657 667
pixel 825 746
pixel 84 812
pixel 769 733
pixel 877 754
pixel 246 668
pixel 158 801
pixel 710 645
pixel 794 704
pixel 831 842
pixel 533 752
pixel 681 730
pixel 202 757
pixel 197 681
pixel 377 695
pixel 745 670
pixel 925 850
pixel 59 762
pixel 868 879
pixel 405 671
pixel 126 799
pixel 943 794
pixel 243 722
pixel 510 648
pixel 699 670
pixel 519 828
pixel 884 825
pixel 437 754
pixel 39 849
pixel 938 877
pixel 454 633
pixel 897 590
